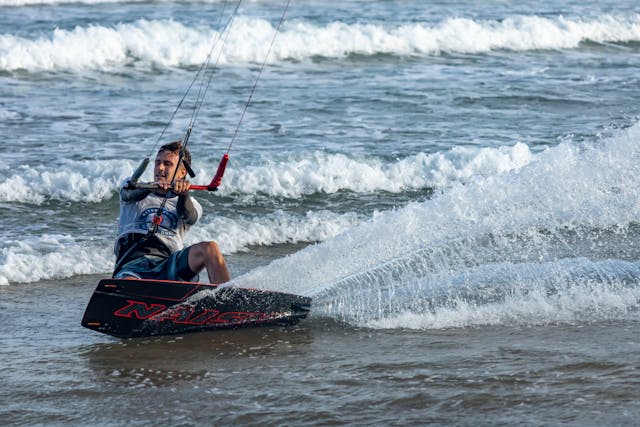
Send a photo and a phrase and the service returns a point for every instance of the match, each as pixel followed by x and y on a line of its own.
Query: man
pixel 162 255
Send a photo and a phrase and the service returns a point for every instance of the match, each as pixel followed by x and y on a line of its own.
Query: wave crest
pixel 165 44
pixel 293 177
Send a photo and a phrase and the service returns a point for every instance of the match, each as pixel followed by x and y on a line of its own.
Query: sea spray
pixel 570 203
pixel 482 291
pixel 569 291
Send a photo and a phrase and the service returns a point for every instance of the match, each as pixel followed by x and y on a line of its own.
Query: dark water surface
pixel 320 372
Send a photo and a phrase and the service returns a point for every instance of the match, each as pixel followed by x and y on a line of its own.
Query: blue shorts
pixel 176 267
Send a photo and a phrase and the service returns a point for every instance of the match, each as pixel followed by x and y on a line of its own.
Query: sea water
pixel 453 183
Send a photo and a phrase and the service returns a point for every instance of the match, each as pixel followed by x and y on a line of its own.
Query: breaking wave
pixel 86 181
pixel 51 256
pixel 165 43
pixel 96 181
pixel 293 177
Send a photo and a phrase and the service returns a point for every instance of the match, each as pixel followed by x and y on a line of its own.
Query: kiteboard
pixel 130 308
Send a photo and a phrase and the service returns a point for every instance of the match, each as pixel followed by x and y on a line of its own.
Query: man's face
pixel 165 165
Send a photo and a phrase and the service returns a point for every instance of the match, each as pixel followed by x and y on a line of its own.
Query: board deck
pixel 129 308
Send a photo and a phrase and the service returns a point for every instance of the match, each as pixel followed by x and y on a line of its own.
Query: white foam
pixel 87 181
pixel 51 256
pixel 330 173
pixel 159 43
pixel 586 303
pixel 563 292
pixel 542 211
pixel 236 234
pixel 14 3
pixel 57 256
pixel 6 114
pixel 524 293
pixel 294 177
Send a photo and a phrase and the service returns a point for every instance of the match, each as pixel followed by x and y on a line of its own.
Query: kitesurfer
pixel 161 254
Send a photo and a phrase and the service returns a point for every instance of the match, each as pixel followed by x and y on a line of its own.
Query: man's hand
pixel 181 187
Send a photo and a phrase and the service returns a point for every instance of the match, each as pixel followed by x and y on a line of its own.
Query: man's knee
pixel 209 250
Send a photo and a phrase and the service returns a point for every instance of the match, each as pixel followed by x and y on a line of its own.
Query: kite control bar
pixel 213 185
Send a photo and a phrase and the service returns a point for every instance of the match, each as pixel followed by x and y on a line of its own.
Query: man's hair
pixel 175 147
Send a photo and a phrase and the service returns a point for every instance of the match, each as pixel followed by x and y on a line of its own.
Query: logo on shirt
pixel 168 225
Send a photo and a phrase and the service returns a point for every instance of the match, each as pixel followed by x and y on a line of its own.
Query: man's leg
pixel 207 254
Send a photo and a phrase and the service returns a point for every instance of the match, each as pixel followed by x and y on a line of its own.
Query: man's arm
pixel 187 210
pixel 134 195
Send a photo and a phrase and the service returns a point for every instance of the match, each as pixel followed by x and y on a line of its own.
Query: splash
pixel 574 291
pixel 568 215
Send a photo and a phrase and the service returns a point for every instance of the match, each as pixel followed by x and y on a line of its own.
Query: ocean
pixel 454 184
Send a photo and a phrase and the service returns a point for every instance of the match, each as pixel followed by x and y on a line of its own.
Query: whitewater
pixel 145 44
pixel 98 181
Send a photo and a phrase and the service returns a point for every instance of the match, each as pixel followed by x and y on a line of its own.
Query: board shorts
pixel 176 268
